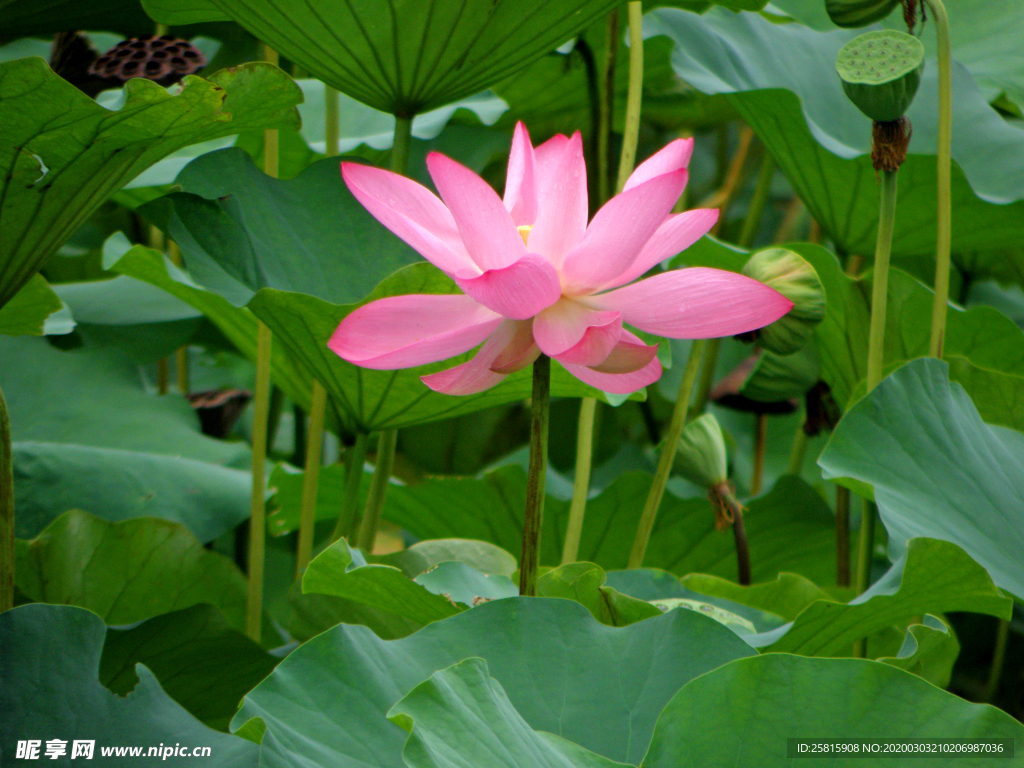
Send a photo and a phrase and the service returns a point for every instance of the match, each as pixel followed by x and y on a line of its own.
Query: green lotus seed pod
pixel 880 72
pixel 701 456
pixel 792 276
pixel 778 378
pixel 736 623
pixel 858 13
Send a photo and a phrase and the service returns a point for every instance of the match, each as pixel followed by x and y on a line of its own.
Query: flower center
pixel 524 231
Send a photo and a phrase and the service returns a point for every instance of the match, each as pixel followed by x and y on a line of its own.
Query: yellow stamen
pixel 524 231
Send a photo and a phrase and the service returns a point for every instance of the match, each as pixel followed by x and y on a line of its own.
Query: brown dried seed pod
pixel 164 60
pixel 889 142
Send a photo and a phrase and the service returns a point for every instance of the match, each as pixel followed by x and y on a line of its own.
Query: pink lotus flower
pixel 537 278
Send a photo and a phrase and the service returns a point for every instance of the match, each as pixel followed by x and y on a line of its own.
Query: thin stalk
pixel 6 510
pixel 760 448
pixel 533 521
pixel 270 136
pixel 865 554
pixel 581 482
pixel 798 451
pixel 631 131
pixel 668 455
pixel 257 524
pixel 355 458
pixel 607 105
pixel 739 532
pixel 723 198
pixel 367 534
pixel 163 375
pixel 880 281
pixel 400 148
pixel 944 204
pixel 842 536
pixel 998 659
pixel 332 130
pixel 757 203
pixel 274 415
pixel 314 448
pixel 707 377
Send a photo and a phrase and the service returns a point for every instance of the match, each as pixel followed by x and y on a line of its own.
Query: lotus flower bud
pixel 880 72
pixel 793 277
pixel 700 455
pixel 858 13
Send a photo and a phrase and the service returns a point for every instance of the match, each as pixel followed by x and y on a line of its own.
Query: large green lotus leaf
pixel 931 576
pixel 819 139
pixel 238 324
pixel 601 687
pixel 929 650
pixel 29 312
pixel 127 572
pixel 490 508
pixel 937 469
pixel 785 597
pixel 49 664
pixel 369 400
pixel 407 56
pixel 64 154
pixel 34 17
pixel 983 36
pixel 743 712
pixel 462 716
pixel 200 660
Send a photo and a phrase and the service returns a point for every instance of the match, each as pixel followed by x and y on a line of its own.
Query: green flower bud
pixel 858 13
pixel 701 456
pixel 778 378
pixel 881 71
pixel 793 277
pixel 736 623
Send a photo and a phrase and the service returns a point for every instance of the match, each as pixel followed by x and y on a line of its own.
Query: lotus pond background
pixel 174 258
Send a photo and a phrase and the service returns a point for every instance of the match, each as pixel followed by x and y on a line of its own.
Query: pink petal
pixel 475 375
pixel 628 356
pixel 695 303
pixel 490 237
pixel 520 352
pixel 676 234
pixel 561 197
pixel 520 180
pixel 412 212
pixel 674 156
pixel 415 329
pixel 597 343
pixel 618 233
pixel 518 291
pixel 562 326
pixel 618 383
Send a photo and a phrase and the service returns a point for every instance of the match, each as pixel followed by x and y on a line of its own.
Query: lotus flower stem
pixel 842 536
pixel 314 447
pixel 758 202
pixel 257 524
pixel 631 132
pixel 723 198
pixel 6 510
pixel 944 208
pixel 707 377
pixel 760 448
pixel 607 105
pixel 739 532
pixel 668 455
pixel 880 282
pixel 865 554
pixel 355 457
pixel 332 130
pixel 581 481
pixel 798 451
pixel 533 522
pixel 998 659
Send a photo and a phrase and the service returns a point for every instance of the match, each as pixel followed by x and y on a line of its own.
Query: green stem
pixel 367 535
pixel 257 524
pixel 533 520
pixel 760 449
pixel 314 447
pixel 400 148
pixel 332 130
pixel 842 536
pixel 6 510
pixel 355 458
pixel 607 105
pixel 631 131
pixel 758 202
pixel 739 532
pixel 668 455
pixel 865 555
pixel 798 452
pixel 274 413
pixel 707 377
pixel 944 204
pixel 581 482
pixel 880 279
pixel 998 659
